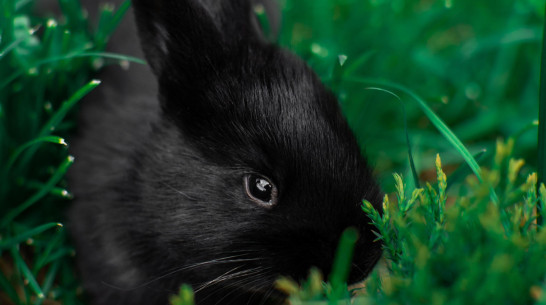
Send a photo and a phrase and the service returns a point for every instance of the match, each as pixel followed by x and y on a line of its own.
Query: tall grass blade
pixel 54 243
pixel 20 263
pixel 67 106
pixel 463 170
pixel 408 141
pixel 59 253
pixel 91 54
pixel 109 21
pixel 342 262
pixel 438 123
pixel 353 66
pixel 49 280
pixel 57 176
pixel 73 55
pixel 57 118
pixel 6 287
pixel 259 10
pixel 26 235
pixel 20 149
pixel 12 46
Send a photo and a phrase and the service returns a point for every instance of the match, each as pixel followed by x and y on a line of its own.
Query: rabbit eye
pixel 261 190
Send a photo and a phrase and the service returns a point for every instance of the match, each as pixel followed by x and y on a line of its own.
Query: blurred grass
pixel 45 69
pixel 473 66
pixel 474 63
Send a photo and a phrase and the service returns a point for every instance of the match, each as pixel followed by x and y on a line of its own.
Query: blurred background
pixel 476 64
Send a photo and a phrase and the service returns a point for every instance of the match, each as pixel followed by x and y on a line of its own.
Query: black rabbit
pixel 225 165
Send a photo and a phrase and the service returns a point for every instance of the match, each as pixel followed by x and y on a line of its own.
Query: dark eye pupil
pixel 260 188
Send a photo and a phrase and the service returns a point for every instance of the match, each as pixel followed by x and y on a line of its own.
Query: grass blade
pixel 28 234
pixel 118 16
pixel 57 176
pixel 259 10
pixel 61 252
pixel 91 54
pixel 106 55
pixel 14 44
pixel 57 118
pixel 109 21
pixel 49 280
pixel 408 141
pixel 463 170
pixel 343 261
pixel 353 66
pixel 20 263
pixel 67 106
pixel 6 287
pixel 10 79
pixel 54 243
pixel 17 153
pixel 438 123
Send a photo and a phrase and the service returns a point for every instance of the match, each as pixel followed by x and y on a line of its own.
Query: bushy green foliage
pixel 470 251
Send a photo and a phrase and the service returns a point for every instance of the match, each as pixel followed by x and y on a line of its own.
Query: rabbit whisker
pixel 228 276
pixel 224 276
pixel 255 273
pixel 266 296
pixel 223 260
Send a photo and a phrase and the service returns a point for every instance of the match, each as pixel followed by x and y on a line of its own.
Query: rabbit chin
pixel 229 294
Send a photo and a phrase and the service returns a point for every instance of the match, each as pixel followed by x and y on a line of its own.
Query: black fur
pixel 159 188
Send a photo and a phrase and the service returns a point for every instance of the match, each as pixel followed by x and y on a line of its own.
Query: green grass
pixel 475 65
pixel 45 69
pixel 415 79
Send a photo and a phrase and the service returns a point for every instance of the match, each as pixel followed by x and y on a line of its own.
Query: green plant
pixel 45 69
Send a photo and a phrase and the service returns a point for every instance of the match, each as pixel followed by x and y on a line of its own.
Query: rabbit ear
pixel 192 31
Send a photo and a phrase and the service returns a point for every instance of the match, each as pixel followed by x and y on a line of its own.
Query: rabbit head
pixel 250 172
